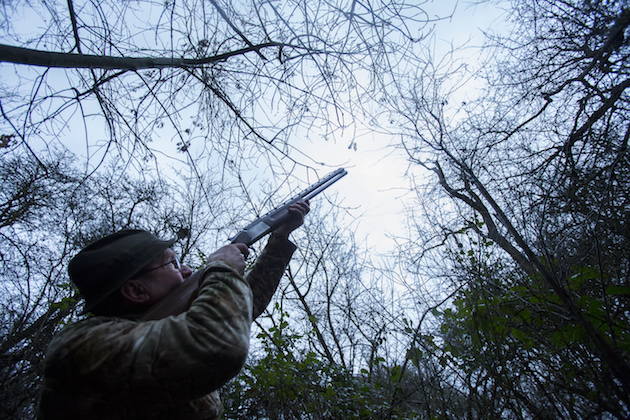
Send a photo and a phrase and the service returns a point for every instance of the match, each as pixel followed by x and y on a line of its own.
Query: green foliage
pixel 287 383
pixel 517 336
pixel 68 302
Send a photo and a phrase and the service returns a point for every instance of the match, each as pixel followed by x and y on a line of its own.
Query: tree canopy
pixel 507 296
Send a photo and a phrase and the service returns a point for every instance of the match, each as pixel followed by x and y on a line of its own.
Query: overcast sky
pixel 376 184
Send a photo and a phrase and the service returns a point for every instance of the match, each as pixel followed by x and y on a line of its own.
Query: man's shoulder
pixel 96 321
pixel 87 327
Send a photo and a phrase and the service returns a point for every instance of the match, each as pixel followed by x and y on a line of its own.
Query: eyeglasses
pixel 173 261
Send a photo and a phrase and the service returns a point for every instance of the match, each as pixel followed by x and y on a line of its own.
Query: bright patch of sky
pixel 377 184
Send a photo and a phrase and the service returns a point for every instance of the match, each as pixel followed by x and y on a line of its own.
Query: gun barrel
pixel 324 183
pixel 265 224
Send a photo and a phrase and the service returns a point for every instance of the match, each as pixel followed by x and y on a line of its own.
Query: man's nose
pixel 185 270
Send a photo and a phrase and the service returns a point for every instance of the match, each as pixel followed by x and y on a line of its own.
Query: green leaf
pixel 618 290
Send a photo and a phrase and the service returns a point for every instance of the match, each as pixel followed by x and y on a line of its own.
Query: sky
pixel 376 187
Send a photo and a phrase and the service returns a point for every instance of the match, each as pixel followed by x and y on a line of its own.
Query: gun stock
pixel 180 298
pixel 177 301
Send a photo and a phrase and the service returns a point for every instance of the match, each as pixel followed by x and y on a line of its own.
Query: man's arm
pixel 267 272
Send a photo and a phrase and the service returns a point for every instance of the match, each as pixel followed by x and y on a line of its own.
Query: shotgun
pixel 180 298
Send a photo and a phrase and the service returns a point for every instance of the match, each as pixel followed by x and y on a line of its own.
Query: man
pixel 115 366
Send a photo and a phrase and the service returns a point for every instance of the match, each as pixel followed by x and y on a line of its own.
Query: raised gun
pixel 278 216
pixel 180 298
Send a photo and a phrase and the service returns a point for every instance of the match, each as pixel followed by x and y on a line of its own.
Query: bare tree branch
pixel 26 56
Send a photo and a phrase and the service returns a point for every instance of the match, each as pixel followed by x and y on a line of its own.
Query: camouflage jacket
pixel 116 368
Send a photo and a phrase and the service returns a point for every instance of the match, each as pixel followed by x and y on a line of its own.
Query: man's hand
pixel 233 255
pixel 298 211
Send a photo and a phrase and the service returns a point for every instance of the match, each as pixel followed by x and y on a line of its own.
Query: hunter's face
pixel 163 274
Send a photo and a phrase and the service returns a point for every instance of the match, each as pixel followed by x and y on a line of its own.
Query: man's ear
pixel 135 291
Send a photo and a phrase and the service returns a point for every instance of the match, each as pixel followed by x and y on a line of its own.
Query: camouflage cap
pixel 104 265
